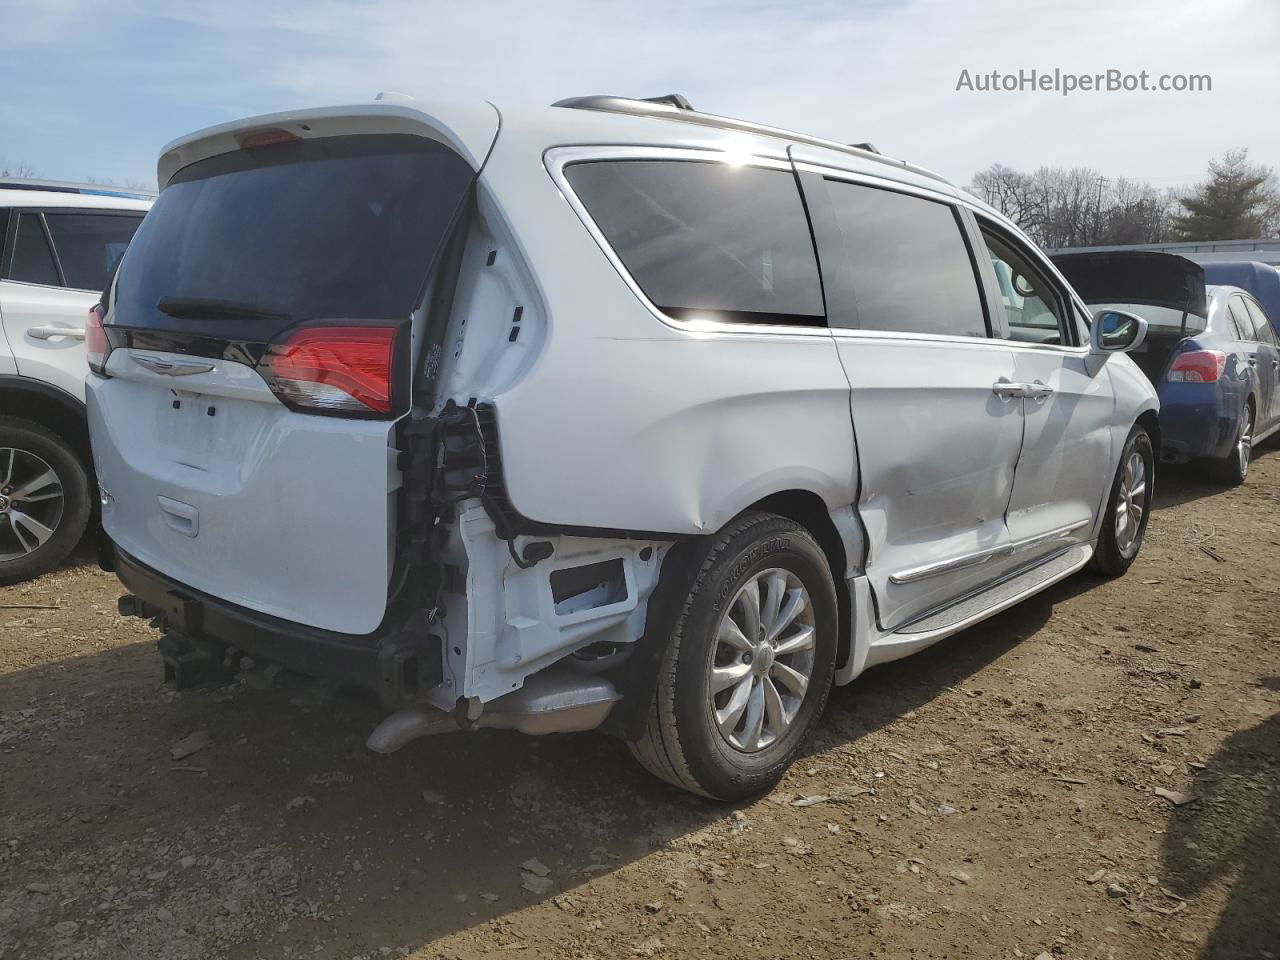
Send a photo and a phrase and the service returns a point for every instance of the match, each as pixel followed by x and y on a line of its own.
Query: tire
pixel 682 742
pixel 1118 546
pixel 29 451
pixel 1234 467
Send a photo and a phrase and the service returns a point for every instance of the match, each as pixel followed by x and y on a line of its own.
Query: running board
pixel 871 647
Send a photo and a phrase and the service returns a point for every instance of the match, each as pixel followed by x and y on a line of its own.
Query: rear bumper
pixel 392 665
pixel 1196 420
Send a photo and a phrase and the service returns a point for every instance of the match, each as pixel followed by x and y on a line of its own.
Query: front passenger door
pixel 1065 468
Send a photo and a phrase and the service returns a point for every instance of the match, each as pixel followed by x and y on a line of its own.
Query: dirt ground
pixel 993 797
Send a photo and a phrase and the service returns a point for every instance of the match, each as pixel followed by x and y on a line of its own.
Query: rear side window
pixel 1263 331
pixel 706 239
pixel 32 258
pixel 89 245
pixel 904 264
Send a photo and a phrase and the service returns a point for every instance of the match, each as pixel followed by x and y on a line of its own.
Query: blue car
pixel 1210 351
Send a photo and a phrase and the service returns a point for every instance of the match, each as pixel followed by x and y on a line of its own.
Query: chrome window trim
pixel 914 574
pixel 556 159
pixel 870 180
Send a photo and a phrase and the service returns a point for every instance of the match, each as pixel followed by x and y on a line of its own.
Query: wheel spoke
pixel 8 469
pixel 35 529
pixel 751 611
pixel 727 719
pixel 27 493
pixel 754 722
pixel 1139 490
pixel 793 680
pixel 791 609
pixel 775 710
pixel 798 642
pixel 775 588
pixel 731 635
pixel 724 677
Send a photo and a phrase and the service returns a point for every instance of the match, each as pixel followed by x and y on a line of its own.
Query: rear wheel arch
pixel 51 408
pixel 810 511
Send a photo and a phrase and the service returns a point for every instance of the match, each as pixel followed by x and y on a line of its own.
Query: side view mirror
pixel 1116 331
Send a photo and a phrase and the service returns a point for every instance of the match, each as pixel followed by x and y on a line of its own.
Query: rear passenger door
pixel 1267 363
pixel 54 265
pixel 937 425
pixel 1065 466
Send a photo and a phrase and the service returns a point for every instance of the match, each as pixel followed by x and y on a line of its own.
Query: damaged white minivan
pixel 610 414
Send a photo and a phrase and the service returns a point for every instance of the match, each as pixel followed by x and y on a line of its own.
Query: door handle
pixel 48 333
pixel 1006 389
pixel 1038 390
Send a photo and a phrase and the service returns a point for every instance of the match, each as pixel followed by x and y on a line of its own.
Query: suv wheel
pixel 749 663
pixel 1129 506
pixel 44 499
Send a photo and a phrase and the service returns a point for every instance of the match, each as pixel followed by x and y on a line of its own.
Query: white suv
pixel 607 414
pixel 58 245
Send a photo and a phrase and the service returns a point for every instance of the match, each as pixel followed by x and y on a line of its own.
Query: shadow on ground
pixel 1231 835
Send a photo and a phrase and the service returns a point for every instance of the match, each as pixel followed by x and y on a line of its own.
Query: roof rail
pixel 63 186
pixel 675 107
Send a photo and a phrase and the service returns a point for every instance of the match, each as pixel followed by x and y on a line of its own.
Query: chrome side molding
pixel 914 574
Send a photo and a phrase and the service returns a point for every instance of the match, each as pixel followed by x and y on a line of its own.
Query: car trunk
pixel 1168 291
pixel 261 330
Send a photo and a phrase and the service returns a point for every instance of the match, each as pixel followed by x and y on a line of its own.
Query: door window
pixel 1240 317
pixel 901 264
pixel 32 259
pixel 1031 305
pixel 1239 326
pixel 89 245
pixel 707 240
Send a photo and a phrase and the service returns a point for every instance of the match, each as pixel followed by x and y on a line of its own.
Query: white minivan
pixel 610 414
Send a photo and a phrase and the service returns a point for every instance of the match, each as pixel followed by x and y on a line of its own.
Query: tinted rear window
pixel 903 265
pixel 331 228
pixel 90 245
pixel 707 240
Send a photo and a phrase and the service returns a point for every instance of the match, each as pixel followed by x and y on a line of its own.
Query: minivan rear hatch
pixel 1168 291
pixel 261 335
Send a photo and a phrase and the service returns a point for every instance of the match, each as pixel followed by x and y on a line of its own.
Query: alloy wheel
pixel 763 660
pixel 31 503
pixel 1131 503
pixel 1244 443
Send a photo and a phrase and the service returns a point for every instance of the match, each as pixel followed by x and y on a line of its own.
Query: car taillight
pixel 1197 366
pixel 336 369
pixel 95 341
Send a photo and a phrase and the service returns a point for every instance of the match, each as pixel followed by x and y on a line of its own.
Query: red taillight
pixel 95 340
pixel 333 368
pixel 265 138
pixel 1197 366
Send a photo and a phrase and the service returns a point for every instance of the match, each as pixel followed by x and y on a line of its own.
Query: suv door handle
pixel 48 333
pixel 1006 389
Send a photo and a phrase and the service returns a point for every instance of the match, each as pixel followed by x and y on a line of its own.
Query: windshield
pixel 1160 320
pixel 245 244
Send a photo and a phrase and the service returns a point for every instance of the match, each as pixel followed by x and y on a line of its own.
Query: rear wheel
pixel 1234 467
pixel 1129 506
pixel 749 663
pixel 44 499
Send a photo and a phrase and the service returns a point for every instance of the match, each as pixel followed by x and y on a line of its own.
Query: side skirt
pixel 871 646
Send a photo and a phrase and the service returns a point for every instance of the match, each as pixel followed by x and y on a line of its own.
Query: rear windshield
pixel 245 244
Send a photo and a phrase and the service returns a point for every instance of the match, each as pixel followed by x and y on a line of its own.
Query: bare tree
pixel 17 169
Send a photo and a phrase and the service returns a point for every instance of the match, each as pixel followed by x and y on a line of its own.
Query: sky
pixel 95 89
